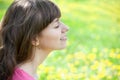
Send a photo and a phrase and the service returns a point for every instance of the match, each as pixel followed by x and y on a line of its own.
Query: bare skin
pixel 52 38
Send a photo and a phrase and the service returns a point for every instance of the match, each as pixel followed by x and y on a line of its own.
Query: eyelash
pixel 57 26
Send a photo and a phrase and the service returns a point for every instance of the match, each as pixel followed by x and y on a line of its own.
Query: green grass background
pixel 94 35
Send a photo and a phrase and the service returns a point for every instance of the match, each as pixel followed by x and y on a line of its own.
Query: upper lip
pixel 64 37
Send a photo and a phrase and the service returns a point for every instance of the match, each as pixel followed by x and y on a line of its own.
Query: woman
pixel 30 30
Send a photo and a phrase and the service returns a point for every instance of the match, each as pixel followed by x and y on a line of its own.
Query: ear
pixel 35 41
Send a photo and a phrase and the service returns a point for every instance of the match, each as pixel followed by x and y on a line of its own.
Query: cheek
pixel 50 40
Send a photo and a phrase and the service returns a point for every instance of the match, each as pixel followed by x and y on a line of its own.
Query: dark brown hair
pixel 23 21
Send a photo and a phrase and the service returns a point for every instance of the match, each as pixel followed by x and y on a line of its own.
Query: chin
pixel 63 47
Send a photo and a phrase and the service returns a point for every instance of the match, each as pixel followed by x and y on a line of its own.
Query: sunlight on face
pixel 54 36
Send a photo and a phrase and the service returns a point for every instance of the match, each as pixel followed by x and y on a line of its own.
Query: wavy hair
pixel 23 21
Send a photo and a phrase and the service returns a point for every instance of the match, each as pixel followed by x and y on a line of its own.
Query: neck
pixel 31 66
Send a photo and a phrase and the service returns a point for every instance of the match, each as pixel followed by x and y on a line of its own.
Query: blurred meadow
pixel 93 51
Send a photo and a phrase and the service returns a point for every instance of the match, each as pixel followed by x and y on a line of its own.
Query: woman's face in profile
pixel 54 36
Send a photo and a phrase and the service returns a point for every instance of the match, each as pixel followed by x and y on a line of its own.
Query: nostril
pixel 65 30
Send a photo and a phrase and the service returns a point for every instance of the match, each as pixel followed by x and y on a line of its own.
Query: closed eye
pixel 57 26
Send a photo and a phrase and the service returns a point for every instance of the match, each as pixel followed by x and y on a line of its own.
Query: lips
pixel 63 38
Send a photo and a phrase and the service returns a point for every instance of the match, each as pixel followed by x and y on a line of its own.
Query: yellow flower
pixel 112 50
pixel 112 55
pixel 91 56
pixel 40 69
pixel 69 57
pixel 113 67
pixel 64 71
pixel 82 75
pixel 51 77
pixel 107 62
pixel 77 62
pixel 80 56
pixel 47 69
pixel 73 69
pixel 101 70
pixel 109 77
pixel 77 76
pixel 118 67
pixel 93 77
pixel 95 65
pixel 101 74
pixel 118 73
pixel 118 56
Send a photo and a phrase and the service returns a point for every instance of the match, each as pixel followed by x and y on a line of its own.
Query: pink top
pixel 19 74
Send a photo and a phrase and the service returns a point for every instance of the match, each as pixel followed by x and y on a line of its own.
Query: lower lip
pixel 63 39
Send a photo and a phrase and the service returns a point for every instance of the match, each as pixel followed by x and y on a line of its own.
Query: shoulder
pixel 19 74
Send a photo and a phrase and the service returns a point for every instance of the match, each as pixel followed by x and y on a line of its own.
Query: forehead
pixel 53 23
pixel 56 20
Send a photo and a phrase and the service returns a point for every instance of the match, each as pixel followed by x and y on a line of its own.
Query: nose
pixel 65 28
